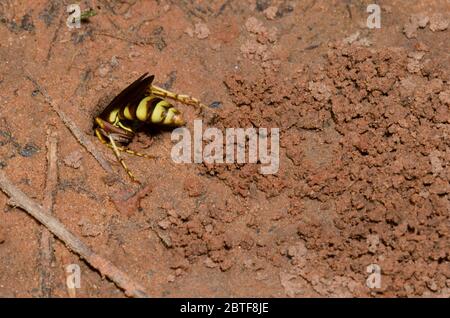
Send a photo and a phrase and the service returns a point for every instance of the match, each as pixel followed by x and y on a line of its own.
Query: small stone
pixel 114 61
pixel 255 26
pixel 134 54
pixel 364 42
pixel 271 12
pixel 216 46
pixel 103 70
pixel 410 30
pixel 413 66
pixel 179 262
pixel 432 286
pixel 171 278
pixel 172 213
pixel 248 263
pixel 165 238
pixel 73 159
pixel 215 104
pixel 178 272
pixel 208 228
pixel 128 15
pixel 189 31
pixel 436 164
pixel 201 31
pixel 444 97
pixel 415 21
pixel 416 55
pixel 261 275
pixel 420 20
pixel 409 289
pixel 352 38
pixel 440 187
pixel 291 252
pixel 319 90
pixel 438 22
pixel 226 264
pixel 28 150
pixel 210 263
pixel 194 187
pixel 297 251
pixel 164 224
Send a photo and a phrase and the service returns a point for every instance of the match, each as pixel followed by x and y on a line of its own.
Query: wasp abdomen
pixel 141 111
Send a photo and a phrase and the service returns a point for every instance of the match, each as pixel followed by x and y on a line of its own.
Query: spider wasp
pixel 141 103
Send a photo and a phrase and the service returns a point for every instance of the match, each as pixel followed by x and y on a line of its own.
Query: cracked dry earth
pixel 364 147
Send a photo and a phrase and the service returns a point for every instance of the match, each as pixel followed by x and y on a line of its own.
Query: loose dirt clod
pixel 129 203
pixel 416 21
pixel 438 22
pixel 201 31
pixel 194 186
pixel 73 159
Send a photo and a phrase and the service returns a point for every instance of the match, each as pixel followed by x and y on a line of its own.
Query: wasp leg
pixel 101 137
pixel 122 162
pixel 120 135
pixel 184 99
pixel 132 152
pixel 109 141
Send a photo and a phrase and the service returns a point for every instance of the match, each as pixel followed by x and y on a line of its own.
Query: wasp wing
pixel 131 95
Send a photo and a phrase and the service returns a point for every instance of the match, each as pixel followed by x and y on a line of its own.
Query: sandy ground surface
pixel 364 147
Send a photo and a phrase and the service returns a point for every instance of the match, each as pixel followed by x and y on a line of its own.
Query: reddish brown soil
pixel 364 160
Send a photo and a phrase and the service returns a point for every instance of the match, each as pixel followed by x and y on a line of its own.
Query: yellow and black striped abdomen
pixel 140 111
pixel 151 109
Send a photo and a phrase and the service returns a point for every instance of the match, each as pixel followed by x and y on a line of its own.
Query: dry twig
pixel 105 267
pixel 46 243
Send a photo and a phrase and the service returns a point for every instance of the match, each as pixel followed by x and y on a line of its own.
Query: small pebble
pixel 178 272
pixel 271 12
pixel 114 61
pixel 215 104
pixel 201 31
pixel 164 224
pixel 189 31
pixel 438 22
pixel 28 150
pixel 73 159
pixel 134 54
pixel 171 278
pixel 210 263
pixel 103 70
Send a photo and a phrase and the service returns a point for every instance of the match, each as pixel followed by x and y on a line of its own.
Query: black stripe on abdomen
pixel 152 104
